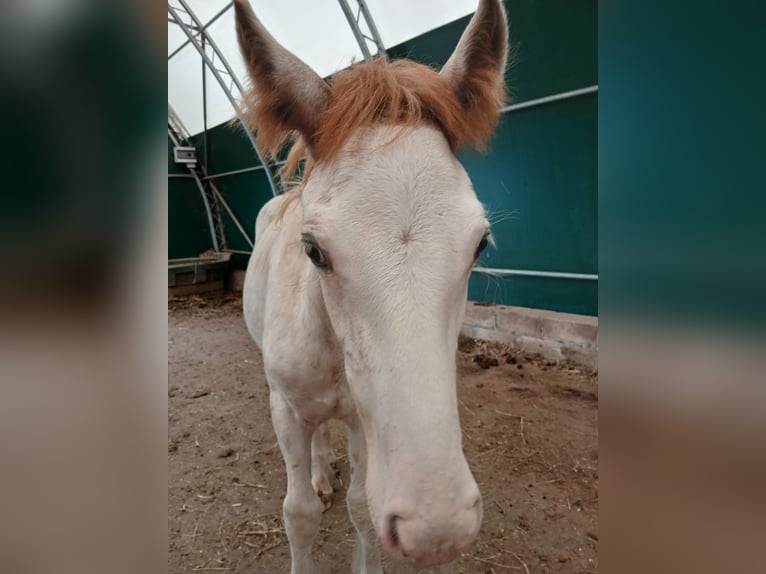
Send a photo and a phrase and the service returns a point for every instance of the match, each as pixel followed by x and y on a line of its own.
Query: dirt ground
pixel 530 431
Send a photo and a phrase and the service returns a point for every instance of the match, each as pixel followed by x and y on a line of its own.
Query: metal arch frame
pixel 196 31
pixel 179 135
pixel 196 34
pixel 361 37
pixel 210 194
pixel 205 27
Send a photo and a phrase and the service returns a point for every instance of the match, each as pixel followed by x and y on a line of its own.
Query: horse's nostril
pixel 393 533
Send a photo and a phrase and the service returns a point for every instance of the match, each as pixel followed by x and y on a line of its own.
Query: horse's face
pixel 392 227
pixel 393 231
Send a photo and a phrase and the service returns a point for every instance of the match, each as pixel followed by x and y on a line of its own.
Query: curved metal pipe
pixel 528 273
pixel 217 74
pixel 549 99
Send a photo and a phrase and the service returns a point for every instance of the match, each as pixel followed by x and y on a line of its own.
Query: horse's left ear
pixel 287 95
pixel 476 68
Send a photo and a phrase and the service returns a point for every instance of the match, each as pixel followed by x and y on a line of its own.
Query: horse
pixel 356 288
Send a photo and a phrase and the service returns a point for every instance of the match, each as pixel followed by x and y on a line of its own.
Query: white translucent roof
pixel 315 30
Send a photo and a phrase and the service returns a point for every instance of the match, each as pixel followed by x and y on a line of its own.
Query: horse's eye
pixel 316 255
pixel 482 246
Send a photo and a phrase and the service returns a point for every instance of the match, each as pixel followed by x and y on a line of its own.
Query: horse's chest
pixel 310 377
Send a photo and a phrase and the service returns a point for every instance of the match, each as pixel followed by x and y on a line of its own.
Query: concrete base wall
pixel 556 336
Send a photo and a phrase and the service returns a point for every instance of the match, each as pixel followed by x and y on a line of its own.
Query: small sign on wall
pixel 185 154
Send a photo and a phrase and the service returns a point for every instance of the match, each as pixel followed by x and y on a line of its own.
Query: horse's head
pixel 392 226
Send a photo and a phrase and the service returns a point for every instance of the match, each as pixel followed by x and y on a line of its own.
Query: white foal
pixel 356 289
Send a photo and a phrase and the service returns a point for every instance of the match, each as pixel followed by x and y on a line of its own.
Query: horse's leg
pixel 321 457
pixel 366 556
pixel 302 508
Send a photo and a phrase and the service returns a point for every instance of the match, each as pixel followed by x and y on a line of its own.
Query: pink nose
pixel 433 534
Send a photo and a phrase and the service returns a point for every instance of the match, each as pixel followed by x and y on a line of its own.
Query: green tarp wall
pixel 538 179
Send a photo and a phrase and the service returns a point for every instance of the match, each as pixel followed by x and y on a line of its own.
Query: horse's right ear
pixel 286 95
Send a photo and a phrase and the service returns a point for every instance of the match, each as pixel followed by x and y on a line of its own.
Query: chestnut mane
pixel 378 92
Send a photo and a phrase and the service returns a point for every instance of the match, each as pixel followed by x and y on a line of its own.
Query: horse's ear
pixel 286 95
pixel 476 68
